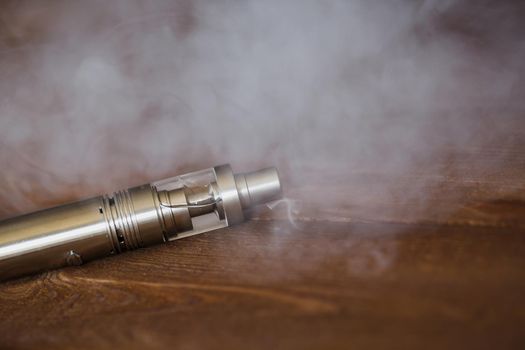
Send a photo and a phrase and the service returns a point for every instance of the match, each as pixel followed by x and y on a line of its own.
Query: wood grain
pixel 338 277
pixel 434 260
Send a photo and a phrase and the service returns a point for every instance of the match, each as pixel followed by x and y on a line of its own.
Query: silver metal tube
pixel 138 217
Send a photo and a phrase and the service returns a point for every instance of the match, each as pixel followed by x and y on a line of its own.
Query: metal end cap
pixel 258 187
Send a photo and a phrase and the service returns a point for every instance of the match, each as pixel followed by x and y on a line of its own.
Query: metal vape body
pixel 138 217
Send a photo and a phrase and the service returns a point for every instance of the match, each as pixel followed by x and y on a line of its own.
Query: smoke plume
pixel 97 96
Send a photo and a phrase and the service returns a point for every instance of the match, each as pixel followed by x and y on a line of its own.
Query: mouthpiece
pixel 162 211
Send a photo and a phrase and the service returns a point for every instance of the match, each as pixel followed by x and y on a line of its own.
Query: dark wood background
pixel 342 265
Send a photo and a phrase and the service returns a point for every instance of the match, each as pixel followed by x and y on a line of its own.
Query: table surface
pixel 433 258
pixel 366 271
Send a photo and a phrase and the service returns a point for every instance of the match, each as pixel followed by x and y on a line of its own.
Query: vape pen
pixel 141 216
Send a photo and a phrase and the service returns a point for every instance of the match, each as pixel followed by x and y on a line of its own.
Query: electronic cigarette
pixel 141 216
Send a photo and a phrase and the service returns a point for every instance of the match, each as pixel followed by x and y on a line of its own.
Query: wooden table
pixel 433 260
pixel 364 272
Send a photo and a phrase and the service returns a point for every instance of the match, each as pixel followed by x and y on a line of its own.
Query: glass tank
pixel 191 204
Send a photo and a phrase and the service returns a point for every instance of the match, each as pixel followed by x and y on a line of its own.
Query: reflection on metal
pixel 141 216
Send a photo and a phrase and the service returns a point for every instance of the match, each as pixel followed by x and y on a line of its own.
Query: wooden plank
pixel 266 283
pixel 431 256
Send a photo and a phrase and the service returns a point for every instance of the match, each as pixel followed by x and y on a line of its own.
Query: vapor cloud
pixel 96 96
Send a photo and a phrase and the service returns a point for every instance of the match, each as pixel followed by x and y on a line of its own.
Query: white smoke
pixel 97 96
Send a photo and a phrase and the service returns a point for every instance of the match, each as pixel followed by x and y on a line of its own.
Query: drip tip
pixel 258 187
pixel 243 191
